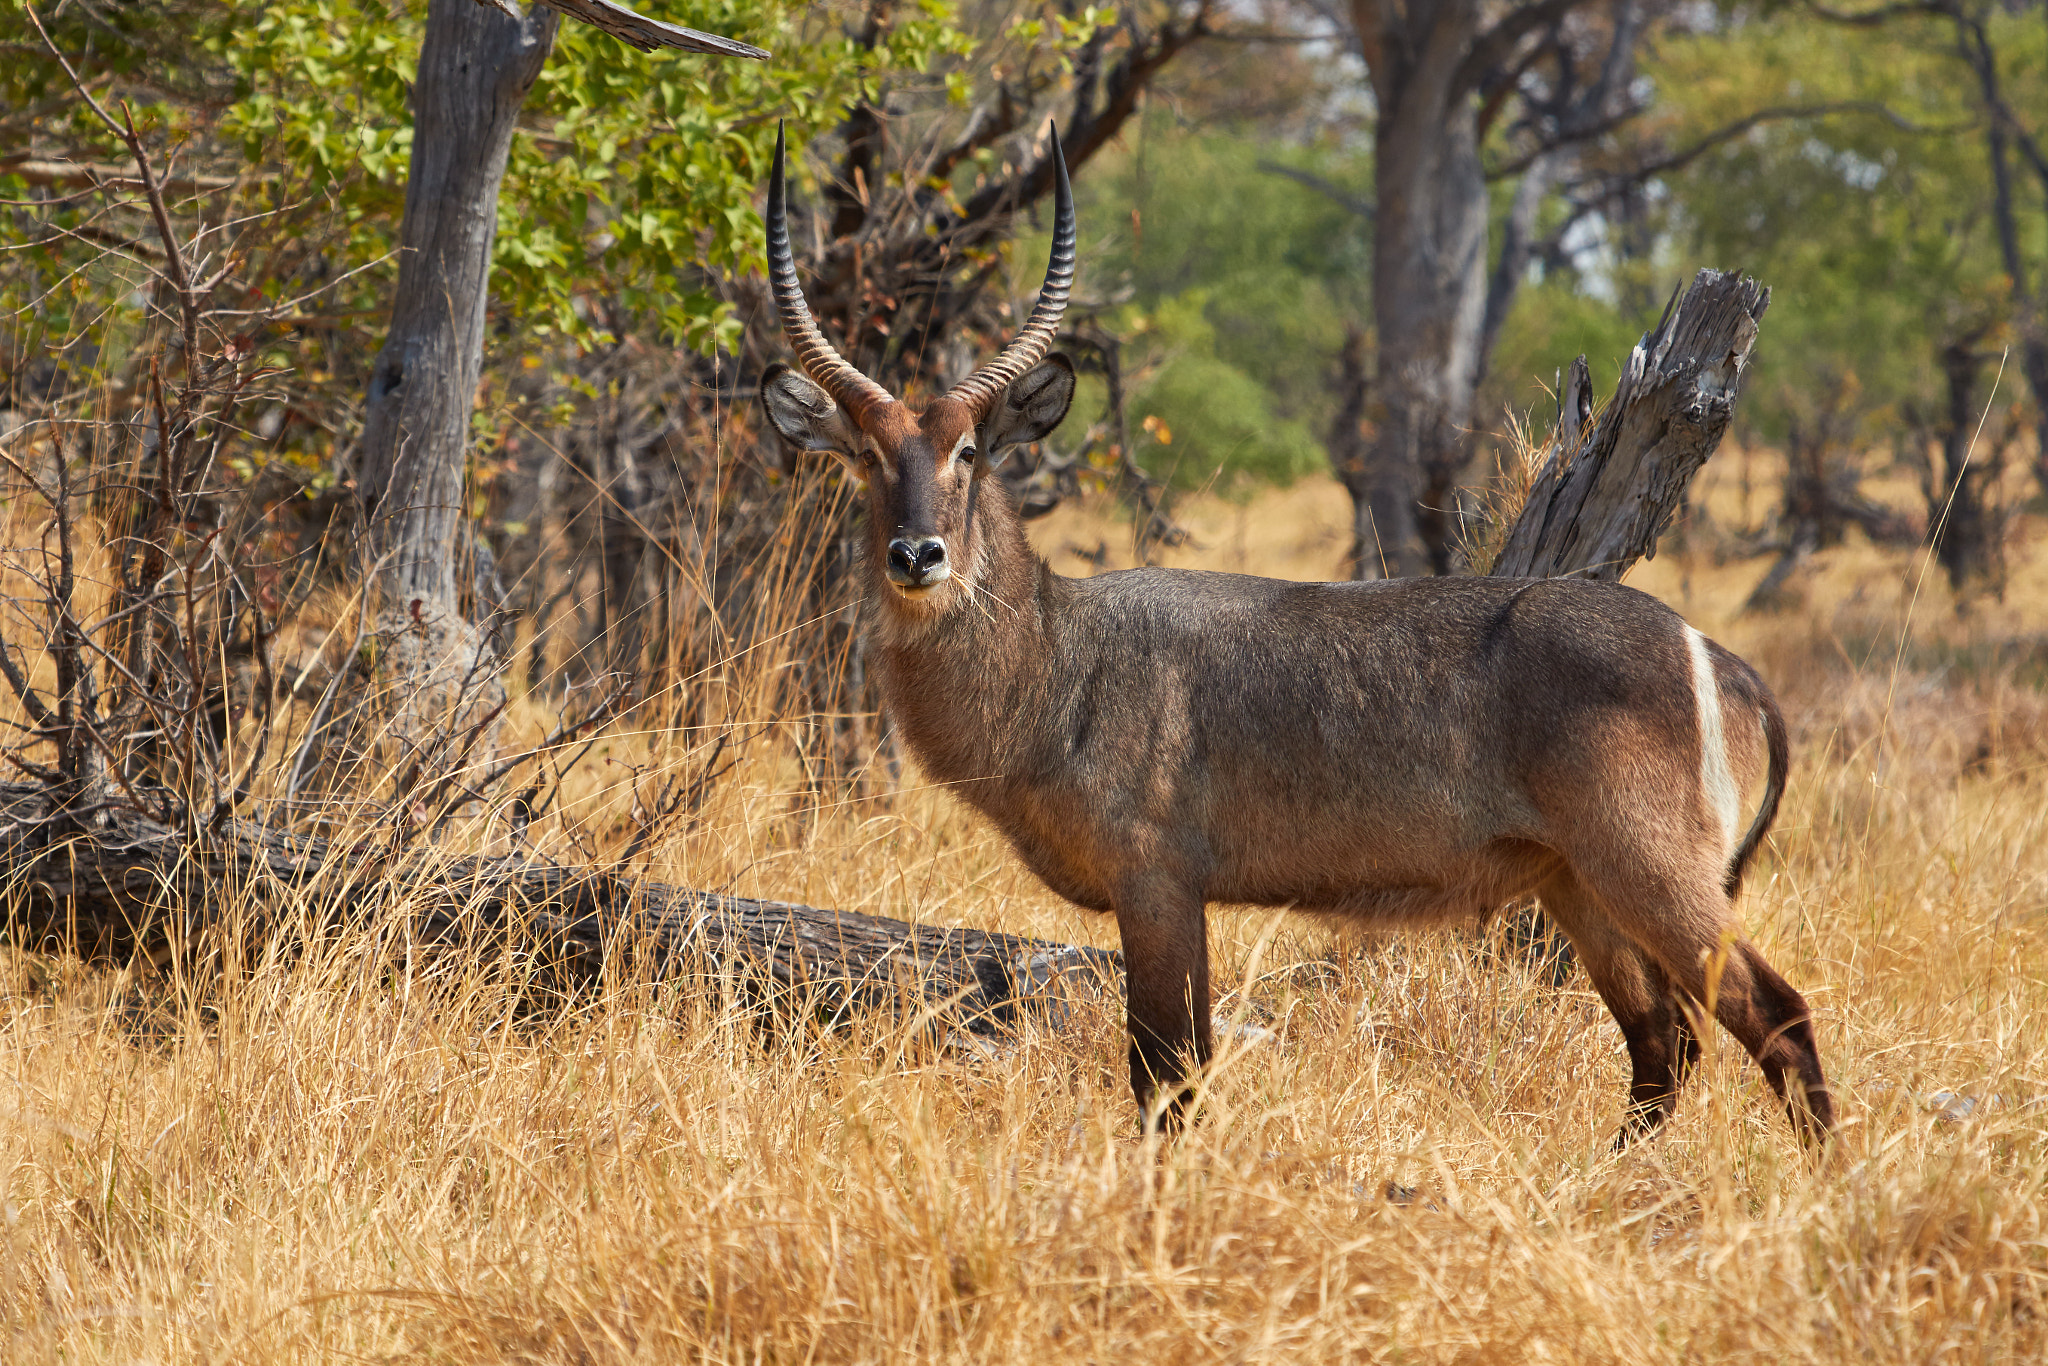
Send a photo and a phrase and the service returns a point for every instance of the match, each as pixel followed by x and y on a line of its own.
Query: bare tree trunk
pixel 1429 305
pixel 476 66
pixel 1958 522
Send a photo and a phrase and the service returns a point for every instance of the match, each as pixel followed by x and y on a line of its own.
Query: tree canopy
pixel 1853 160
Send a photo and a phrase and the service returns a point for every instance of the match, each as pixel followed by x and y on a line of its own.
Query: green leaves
pixel 631 171
pixel 1242 282
pixel 632 176
pixel 1872 223
pixel 1220 425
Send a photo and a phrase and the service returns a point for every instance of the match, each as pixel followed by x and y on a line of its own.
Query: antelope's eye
pixel 967 454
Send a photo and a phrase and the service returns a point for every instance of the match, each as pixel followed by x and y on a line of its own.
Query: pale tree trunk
pixel 1443 73
pixel 1429 297
pixel 476 66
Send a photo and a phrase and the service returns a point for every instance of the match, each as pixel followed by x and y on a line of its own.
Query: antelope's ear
pixel 806 415
pixel 1034 404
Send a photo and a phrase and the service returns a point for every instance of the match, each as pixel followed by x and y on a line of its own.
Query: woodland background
pixel 1885 170
pixel 1335 264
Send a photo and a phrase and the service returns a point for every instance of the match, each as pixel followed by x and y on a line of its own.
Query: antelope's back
pixel 1324 737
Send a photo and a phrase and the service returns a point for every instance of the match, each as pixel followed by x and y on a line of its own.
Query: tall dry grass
pixel 339 1159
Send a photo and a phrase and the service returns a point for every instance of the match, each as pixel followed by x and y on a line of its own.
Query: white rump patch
pixel 1717 780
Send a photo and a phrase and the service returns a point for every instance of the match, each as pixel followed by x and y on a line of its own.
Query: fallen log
pixel 128 888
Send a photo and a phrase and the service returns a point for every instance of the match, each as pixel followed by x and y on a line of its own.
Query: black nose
pixel 916 560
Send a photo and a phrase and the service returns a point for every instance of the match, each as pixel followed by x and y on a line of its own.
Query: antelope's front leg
pixel 1166 973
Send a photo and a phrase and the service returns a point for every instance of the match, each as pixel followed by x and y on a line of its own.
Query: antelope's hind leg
pixel 1164 929
pixel 1680 923
pixel 1661 1046
pixel 1772 1020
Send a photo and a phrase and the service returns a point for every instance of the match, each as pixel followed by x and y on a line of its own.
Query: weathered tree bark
pixel 1599 503
pixel 476 66
pixel 138 890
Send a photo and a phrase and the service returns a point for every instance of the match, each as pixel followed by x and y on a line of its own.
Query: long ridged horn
pixel 854 392
pixel 1029 346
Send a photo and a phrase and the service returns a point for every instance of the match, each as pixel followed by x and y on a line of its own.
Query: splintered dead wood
pixel 136 890
pixel 1603 497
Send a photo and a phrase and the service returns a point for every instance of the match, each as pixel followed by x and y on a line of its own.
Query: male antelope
pixel 1154 740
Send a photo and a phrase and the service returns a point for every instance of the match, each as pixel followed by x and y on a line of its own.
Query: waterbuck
pixel 1154 740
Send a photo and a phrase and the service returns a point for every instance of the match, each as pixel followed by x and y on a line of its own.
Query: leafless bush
pixel 150 576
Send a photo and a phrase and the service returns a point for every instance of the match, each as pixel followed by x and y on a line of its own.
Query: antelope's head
pixel 923 471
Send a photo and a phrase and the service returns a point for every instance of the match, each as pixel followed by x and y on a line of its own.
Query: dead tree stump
pixel 1602 498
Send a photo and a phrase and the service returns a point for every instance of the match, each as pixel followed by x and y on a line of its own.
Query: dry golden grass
pixel 339 1161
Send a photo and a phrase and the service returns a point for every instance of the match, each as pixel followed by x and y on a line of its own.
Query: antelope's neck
pixel 955 682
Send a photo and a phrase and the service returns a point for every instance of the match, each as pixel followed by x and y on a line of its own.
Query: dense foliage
pixel 632 176
pixel 1227 242
pixel 1239 285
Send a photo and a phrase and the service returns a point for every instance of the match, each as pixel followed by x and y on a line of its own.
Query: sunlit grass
pixel 333 1159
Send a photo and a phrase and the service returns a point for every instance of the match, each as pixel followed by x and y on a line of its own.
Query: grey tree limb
pixel 632 27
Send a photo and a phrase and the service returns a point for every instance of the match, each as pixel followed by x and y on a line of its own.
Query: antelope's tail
pixel 1774 785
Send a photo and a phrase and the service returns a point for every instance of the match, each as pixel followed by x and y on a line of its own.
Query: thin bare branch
pixel 1775 113
pixel 1329 189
